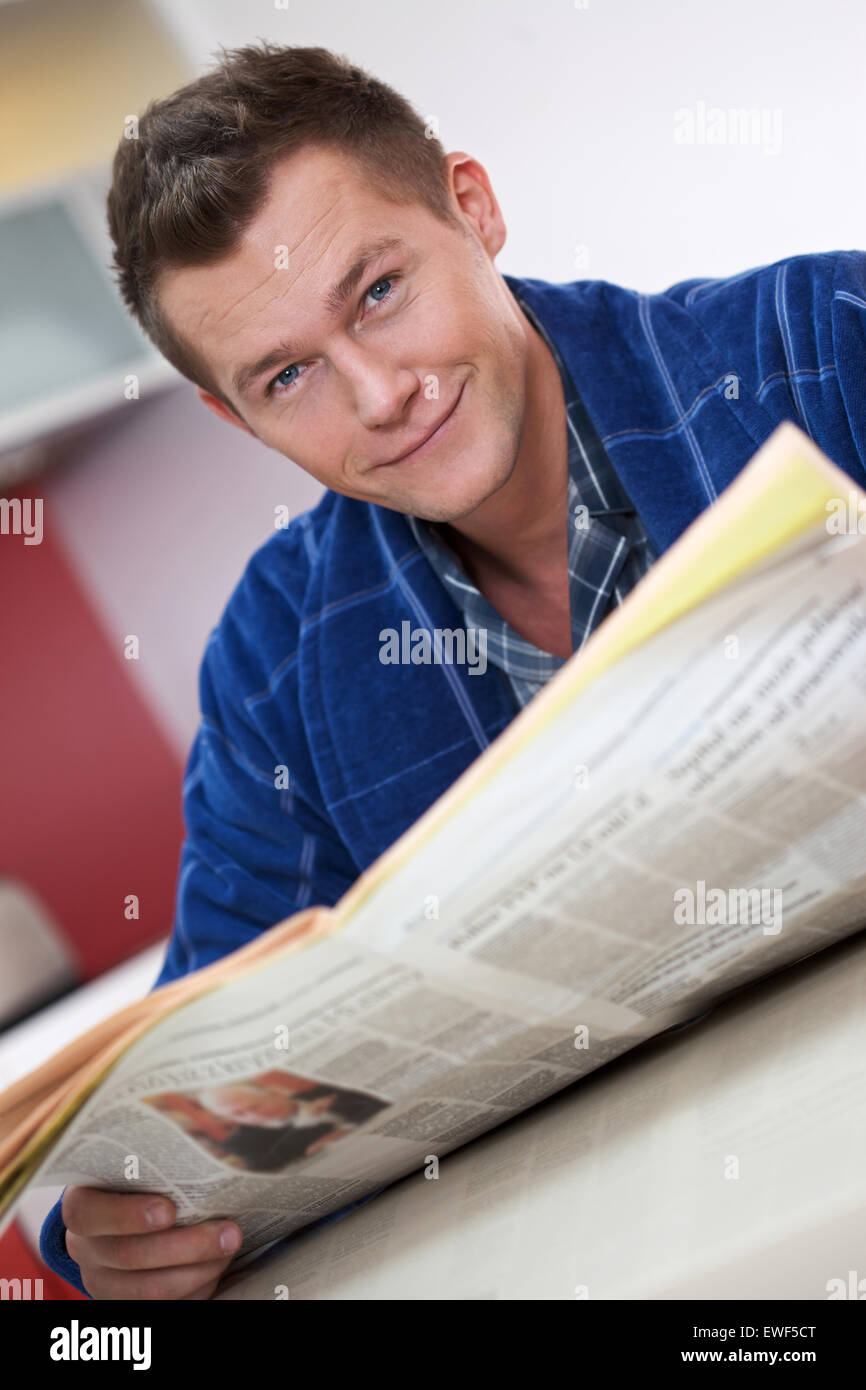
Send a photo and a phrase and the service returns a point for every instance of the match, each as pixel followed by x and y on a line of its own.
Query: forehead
pixel 319 210
pixel 311 195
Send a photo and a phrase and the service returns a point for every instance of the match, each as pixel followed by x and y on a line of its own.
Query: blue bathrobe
pixel 683 386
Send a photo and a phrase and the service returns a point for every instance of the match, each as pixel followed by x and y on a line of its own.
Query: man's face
pixel 429 330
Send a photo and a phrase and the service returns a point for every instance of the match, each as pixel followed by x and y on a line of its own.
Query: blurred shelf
pixel 68 347
pixel 72 72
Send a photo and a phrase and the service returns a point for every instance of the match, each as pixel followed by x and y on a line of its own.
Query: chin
pixel 461 494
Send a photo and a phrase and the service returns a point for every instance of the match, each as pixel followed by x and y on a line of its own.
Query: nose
pixel 380 389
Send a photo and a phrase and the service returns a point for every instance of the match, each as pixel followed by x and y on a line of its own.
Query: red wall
pixel 90 789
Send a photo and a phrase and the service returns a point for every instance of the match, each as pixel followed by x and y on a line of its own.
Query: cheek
pixel 317 443
pixel 436 328
pixel 446 341
pixel 332 427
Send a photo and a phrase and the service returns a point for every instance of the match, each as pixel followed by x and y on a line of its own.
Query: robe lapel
pixel 386 739
pixel 677 421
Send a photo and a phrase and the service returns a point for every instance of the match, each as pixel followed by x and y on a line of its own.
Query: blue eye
pixel 383 280
pixel 278 380
pixel 283 386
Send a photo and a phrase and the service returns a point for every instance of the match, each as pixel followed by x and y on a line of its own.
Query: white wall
pixel 572 112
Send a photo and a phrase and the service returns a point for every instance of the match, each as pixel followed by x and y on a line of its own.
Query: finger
pixel 152 1284
pixel 87 1211
pixel 206 1292
pixel 182 1245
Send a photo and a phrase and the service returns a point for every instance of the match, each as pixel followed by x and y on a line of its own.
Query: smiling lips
pixel 427 438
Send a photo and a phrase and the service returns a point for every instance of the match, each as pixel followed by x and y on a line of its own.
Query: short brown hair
pixel 197 174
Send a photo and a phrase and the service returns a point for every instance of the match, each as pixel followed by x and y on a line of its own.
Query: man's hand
pixel 124 1247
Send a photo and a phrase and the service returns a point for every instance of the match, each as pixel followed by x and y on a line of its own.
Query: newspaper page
pixel 725 1161
pixel 695 820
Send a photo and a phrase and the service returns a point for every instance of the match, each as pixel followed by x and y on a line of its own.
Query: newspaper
pixel 724 1161
pixel 696 819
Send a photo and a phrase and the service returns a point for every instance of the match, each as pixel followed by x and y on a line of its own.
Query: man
pixel 500 454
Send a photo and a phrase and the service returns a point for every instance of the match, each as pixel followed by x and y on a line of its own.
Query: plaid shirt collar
pixel 608 551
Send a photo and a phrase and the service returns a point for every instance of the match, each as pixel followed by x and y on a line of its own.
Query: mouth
pixel 430 441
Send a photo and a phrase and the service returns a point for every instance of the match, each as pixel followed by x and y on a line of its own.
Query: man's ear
pixel 220 409
pixel 473 199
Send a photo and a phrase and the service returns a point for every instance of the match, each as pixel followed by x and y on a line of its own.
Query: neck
pixel 520 533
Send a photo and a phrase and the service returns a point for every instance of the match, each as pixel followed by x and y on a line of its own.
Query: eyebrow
pixel 334 302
